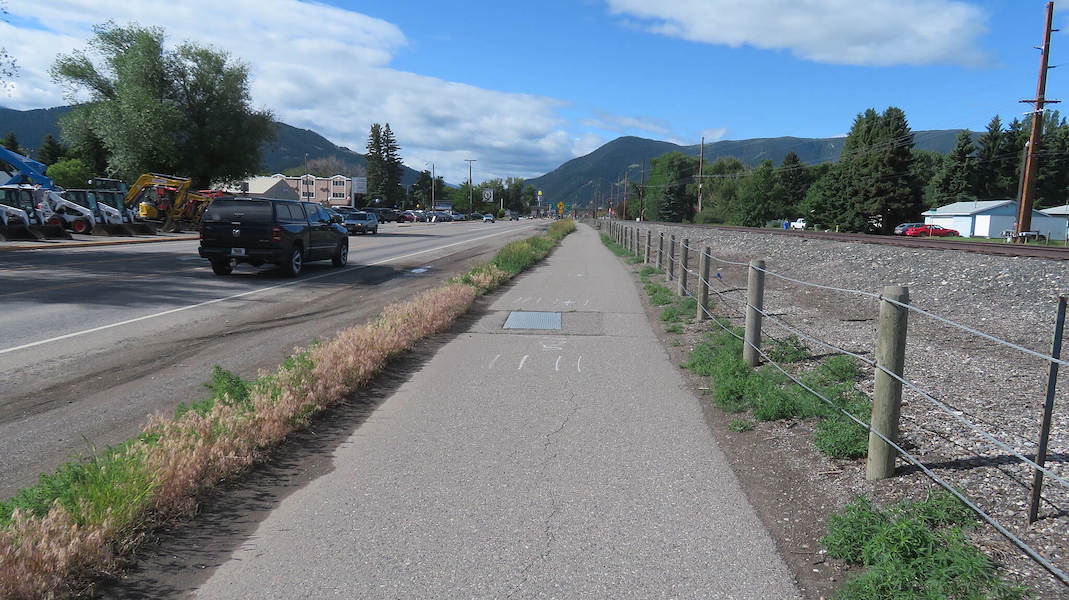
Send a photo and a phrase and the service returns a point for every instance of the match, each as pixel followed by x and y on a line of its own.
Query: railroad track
pixel 993 248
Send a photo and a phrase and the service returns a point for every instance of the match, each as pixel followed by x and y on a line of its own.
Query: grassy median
pixel 77 521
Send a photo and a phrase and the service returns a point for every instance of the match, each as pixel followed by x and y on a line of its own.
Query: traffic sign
pixel 488 195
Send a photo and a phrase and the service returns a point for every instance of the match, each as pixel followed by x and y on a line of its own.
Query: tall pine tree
pixel 990 147
pixel 394 168
pixel 51 150
pixel 956 179
pixel 376 164
pixel 793 181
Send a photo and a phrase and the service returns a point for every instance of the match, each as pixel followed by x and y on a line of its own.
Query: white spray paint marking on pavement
pixel 579 364
pixel 491 365
pixel 250 292
pixel 522 360
pixel 554 344
pixel 539 301
pixel 556 366
pixel 587 302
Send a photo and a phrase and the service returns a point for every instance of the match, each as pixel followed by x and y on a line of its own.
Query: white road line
pixel 250 292
pixel 491 365
pixel 556 366
pixel 522 360
pixel 579 364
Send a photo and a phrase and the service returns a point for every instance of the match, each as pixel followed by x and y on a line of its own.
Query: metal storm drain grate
pixel 533 320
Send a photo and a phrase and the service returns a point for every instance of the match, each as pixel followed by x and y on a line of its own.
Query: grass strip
pixel 77 521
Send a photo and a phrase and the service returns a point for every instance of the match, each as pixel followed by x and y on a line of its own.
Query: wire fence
pixel 679 269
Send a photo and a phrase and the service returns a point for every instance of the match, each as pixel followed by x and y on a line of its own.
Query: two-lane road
pixel 95 339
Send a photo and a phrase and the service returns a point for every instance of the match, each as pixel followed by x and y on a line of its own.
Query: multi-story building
pixel 336 190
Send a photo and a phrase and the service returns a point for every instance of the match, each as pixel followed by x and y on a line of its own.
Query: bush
pixel 741 425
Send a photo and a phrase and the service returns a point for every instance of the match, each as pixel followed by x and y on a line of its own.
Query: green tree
pixel 926 166
pixel 393 167
pixel 793 182
pixel 989 161
pixel 11 142
pixel 760 197
pixel 376 163
pixel 421 189
pixel 956 180
pixel 667 196
pixel 184 111
pixel 70 173
pixel 51 150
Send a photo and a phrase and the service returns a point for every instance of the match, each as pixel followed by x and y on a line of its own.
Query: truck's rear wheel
pixel 293 266
pixel 341 257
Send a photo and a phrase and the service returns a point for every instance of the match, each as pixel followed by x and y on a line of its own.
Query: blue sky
pixel 524 86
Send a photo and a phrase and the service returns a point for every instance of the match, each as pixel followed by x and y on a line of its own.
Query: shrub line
pixel 77 522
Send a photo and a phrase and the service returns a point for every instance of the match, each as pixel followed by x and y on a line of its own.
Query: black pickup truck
pixel 261 231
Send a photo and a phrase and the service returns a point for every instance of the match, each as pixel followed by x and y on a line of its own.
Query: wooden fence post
pixel 887 396
pixel 684 256
pixel 755 300
pixel 703 284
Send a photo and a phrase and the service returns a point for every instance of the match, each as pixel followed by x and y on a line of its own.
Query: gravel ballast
pixel 997 389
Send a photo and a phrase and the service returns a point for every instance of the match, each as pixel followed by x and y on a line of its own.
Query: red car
pixel 931 231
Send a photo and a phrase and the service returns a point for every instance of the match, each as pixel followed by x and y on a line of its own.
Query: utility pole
pixel 471 202
pixel 1031 167
pixel 701 171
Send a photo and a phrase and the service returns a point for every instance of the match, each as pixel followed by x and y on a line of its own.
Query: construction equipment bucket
pixel 18 232
pixel 51 232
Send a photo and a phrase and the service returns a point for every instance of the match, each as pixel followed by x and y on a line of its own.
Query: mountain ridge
pixel 575 181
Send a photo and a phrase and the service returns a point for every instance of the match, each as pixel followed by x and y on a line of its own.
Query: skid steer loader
pixel 39 216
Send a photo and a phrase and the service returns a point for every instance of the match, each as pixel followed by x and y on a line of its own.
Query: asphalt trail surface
pixel 515 464
pixel 93 340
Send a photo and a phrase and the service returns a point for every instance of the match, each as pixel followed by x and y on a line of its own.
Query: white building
pixel 990 218
pixel 1062 213
pixel 272 187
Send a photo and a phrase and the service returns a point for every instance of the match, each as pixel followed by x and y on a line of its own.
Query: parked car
pixel 475 217
pixel 440 217
pixel 901 229
pixel 260 231
pixel 798 224
pixel 361 222
pixel 385 215
pixel 931 231
pixel 458 216
pixel 488 218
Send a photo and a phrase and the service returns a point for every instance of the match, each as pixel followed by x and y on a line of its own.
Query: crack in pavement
pixel 558 505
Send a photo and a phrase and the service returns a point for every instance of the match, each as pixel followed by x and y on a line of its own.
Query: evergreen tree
pixel 760 198
pixel 989 160
pixel 51 150
pixel 376 164
pixel 926 166
pixel 793 182
pixel 1053 176
pixel 11 142
pixel 671 203
pixel 956 180
pixel 393 166
pixel 887 193
pixel 421 189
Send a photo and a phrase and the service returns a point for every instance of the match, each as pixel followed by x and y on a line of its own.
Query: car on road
pixel 931 231
pixel 901 229
pixel 260 231
pixel 488 218
pixel 361 222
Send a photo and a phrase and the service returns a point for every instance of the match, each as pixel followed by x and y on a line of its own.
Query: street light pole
pixel 471 201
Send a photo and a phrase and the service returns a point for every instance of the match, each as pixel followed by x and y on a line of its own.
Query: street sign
pixel 488 195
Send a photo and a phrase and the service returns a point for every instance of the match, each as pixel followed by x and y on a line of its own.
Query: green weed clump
pixel 790 349
pixel 659 295
pixel 741 425
pixel 914 551
pixel 614 247
pixel 770 395
pixel 674 328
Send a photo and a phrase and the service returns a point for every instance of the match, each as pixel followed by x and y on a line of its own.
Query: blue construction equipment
pixel 27 170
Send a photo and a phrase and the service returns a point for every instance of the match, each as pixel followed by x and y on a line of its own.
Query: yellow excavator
pixel 166 200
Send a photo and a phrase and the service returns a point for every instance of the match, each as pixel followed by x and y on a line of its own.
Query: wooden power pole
pixel 1031 165
pixel 701 172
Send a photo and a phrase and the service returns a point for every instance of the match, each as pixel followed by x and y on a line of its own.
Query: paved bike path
pixel 525 464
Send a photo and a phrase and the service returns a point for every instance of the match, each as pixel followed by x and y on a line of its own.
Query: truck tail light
pixel 276 234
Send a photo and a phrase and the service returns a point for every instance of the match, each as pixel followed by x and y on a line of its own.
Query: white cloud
pixel 850 32
pixel 318 67
pixel 712 135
